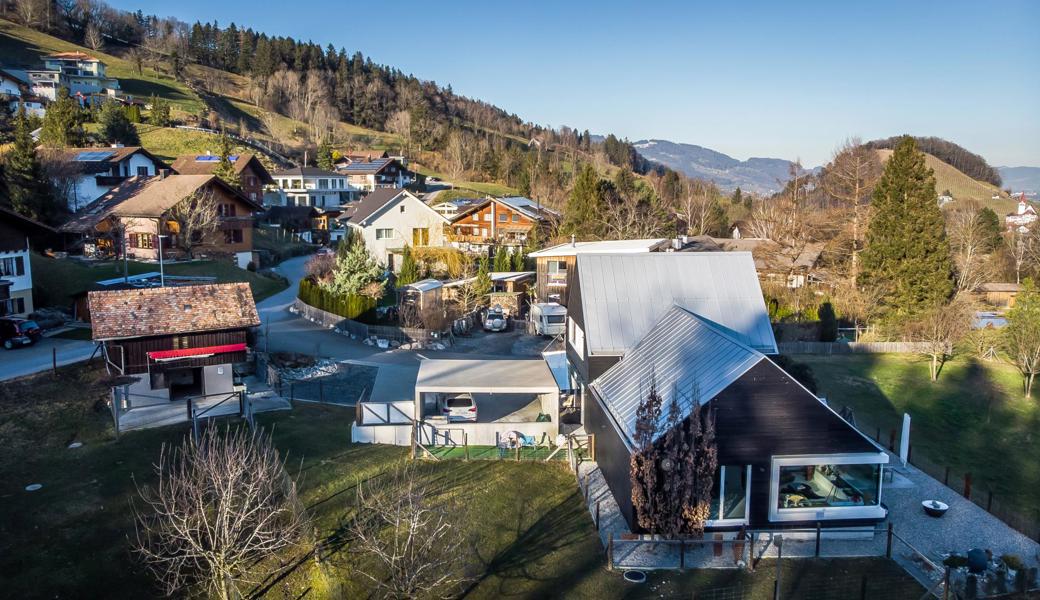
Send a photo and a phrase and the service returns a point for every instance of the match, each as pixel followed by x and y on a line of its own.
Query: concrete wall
pixel 142 394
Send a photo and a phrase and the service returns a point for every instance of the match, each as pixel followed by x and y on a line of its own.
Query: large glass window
pixel 811 486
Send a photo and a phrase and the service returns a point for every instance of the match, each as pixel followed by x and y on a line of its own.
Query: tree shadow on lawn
pixel 553 553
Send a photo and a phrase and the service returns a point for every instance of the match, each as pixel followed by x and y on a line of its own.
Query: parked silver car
pixel 495 320
pixel 459 407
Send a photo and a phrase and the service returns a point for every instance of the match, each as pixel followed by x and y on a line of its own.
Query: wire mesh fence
pixel 980 487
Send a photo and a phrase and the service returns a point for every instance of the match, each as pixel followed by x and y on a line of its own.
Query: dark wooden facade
pixel 764 413
pixel 589 367
pixel 132 353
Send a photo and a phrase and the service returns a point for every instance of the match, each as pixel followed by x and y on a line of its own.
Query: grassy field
pixel 531 536
pixel 480 187
pixel 963 187
pixel 21 46
pixel 56 281
pixel 974 419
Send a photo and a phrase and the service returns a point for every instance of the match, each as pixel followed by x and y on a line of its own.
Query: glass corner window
pixel 815 486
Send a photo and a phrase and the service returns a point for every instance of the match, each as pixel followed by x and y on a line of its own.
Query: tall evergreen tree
pixel 159 113
pixel 482 284
pixel 410 272
pixel 225 168
pixel 584 207
pixel 738 197
pixel 907 258
pixel 325 159
pixel 30 195
pixel 519 259
pixel 63 122
pixel 502 261
pixel 116 128
pixel 7 123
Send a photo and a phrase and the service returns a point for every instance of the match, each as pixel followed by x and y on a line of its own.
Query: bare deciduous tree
pixel 221 505
pixel 400 122
pixel 775 219
pixel 196 219
pixel 455 155
pixel 411 540
pixel 850 179
pixel 971 242
pixel 93 38
pixel 938 331
pixel 62 173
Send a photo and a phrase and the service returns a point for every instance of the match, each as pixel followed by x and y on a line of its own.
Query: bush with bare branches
pixel 221 506
pixel 411 541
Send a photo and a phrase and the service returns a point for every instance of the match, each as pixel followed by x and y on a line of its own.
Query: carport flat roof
pixel 511 376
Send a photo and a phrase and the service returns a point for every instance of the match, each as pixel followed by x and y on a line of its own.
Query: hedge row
pixel 348 307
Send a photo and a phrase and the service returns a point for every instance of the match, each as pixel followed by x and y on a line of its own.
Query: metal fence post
pixel 818 539
pixel 751 551
pixel 465 442
pixel 610 552
pixel 967 486
pixel 888 544
pixel 597 515
pixel 779 556
pixel 946 478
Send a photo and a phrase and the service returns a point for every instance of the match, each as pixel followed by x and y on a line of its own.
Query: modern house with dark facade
pixel 695 325
pixel 175 342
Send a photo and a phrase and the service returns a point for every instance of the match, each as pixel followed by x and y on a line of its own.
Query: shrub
pixel 251 267
pixel 348 306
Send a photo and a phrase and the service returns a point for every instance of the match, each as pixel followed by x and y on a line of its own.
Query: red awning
pixel 188 352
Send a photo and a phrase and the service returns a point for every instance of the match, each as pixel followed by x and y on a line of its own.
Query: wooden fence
pixel 850 347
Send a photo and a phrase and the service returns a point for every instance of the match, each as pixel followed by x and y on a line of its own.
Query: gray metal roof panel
pixel 685 356
pixel 624 295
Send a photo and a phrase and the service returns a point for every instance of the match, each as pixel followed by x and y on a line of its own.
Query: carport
pixel 511 395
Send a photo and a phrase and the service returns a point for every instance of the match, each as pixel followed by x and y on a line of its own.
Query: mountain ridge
pixel 762 175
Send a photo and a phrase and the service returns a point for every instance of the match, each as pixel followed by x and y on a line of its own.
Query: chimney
pixel 573 244
pixel 163 173
pixel 118 145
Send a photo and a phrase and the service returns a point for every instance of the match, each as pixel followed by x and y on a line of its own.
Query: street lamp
pixel 162 271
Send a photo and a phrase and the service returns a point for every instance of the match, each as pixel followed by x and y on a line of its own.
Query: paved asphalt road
pixel 38 357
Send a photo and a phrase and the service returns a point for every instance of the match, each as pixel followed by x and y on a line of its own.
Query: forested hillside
pixel 963 160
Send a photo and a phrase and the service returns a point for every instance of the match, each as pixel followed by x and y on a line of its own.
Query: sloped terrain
pixel 962 187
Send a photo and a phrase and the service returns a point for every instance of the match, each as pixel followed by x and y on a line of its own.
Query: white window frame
pixel 747 501
pixel 379 236
pixel 825 513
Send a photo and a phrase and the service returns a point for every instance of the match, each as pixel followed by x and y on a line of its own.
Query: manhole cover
pixel 635 576
pixel 76 445
pixel 32 487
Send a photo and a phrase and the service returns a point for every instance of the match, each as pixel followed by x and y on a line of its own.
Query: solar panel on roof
pixel 207 158
pixel 93 156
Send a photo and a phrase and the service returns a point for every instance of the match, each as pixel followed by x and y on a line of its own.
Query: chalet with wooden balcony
pixel 138 214
pixel 499 222
pixel 174 343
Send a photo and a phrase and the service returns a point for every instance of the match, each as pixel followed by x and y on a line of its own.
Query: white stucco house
pixel 311 186
pixel 16 282
pixel 390 219
pixel 93 172
pixel 83 75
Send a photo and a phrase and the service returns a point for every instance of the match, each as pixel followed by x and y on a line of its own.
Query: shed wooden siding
pixel 542 286
pixel 137 349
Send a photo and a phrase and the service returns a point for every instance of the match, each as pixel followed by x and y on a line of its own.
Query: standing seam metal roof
pixel 624 295
pixel 685 356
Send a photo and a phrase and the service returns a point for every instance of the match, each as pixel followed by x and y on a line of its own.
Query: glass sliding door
pixel 730 496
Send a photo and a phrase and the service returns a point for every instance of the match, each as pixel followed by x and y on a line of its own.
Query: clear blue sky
pixel 774 79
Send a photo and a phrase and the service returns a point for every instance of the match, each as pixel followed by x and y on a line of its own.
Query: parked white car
pixel 495 320
pixel 459 407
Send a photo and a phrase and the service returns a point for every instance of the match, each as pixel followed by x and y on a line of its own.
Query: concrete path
pixel 38 357
pixel 920 545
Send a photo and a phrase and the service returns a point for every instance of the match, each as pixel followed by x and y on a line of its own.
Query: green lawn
pixel 532 537
pixel 974 419
pixel 56 281
pixel 480 187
